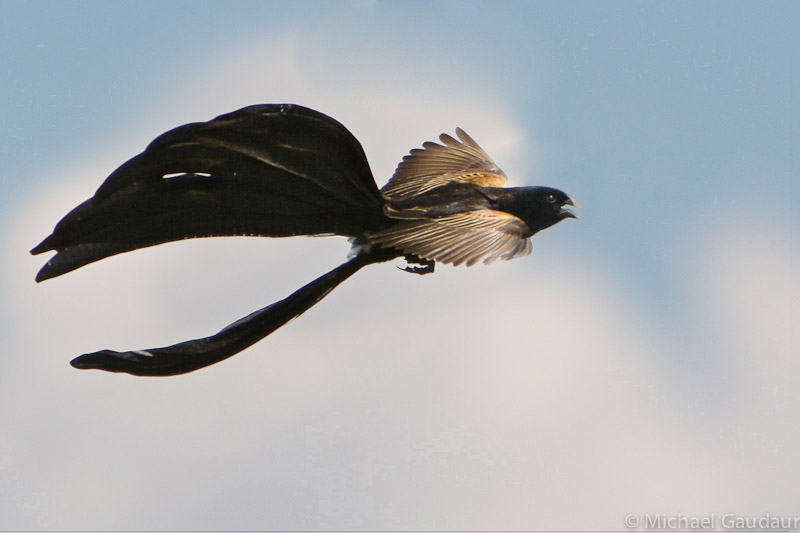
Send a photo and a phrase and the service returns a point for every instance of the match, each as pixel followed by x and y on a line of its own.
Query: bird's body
pixel 285 170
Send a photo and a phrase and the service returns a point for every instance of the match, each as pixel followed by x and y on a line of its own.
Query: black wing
pixel 265 170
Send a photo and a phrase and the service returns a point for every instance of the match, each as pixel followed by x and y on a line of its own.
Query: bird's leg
pixel 426 268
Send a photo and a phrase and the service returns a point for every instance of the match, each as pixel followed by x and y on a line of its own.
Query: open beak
pixel 566 212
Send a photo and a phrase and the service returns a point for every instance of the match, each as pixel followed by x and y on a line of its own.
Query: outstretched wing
pixel 267 170
pixel 435 165
pixel 466 237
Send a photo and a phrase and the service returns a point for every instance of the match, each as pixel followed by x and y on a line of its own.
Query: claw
pixel 426 268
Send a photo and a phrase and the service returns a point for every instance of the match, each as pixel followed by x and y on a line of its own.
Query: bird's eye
pixel 550 198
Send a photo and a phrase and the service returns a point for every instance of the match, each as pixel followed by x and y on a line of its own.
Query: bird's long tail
pixel 266 170
pixel 192 355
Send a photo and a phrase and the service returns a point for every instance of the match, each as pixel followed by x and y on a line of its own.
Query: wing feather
pixel 435 165
pixel 466 237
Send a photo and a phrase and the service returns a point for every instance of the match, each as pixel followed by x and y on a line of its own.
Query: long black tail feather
pixel 192 355
pixel 266 170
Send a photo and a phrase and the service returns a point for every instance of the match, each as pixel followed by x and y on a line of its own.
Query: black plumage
pixel 284 170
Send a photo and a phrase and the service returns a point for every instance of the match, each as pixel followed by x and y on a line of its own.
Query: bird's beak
pixel 570 214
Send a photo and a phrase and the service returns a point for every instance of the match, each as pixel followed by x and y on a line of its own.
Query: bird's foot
pixel 426 268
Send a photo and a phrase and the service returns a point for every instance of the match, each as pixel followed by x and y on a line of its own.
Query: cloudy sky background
pixel 642 360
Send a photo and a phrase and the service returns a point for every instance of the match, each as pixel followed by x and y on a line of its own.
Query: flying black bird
pixel 283 170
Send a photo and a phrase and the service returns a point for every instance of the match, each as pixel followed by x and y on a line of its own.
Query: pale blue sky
pixel 657 334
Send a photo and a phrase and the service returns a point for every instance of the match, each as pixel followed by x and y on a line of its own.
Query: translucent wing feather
pixel 435 165
pixel 466 237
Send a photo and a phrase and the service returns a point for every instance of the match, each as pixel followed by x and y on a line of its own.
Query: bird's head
pixel 542 207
